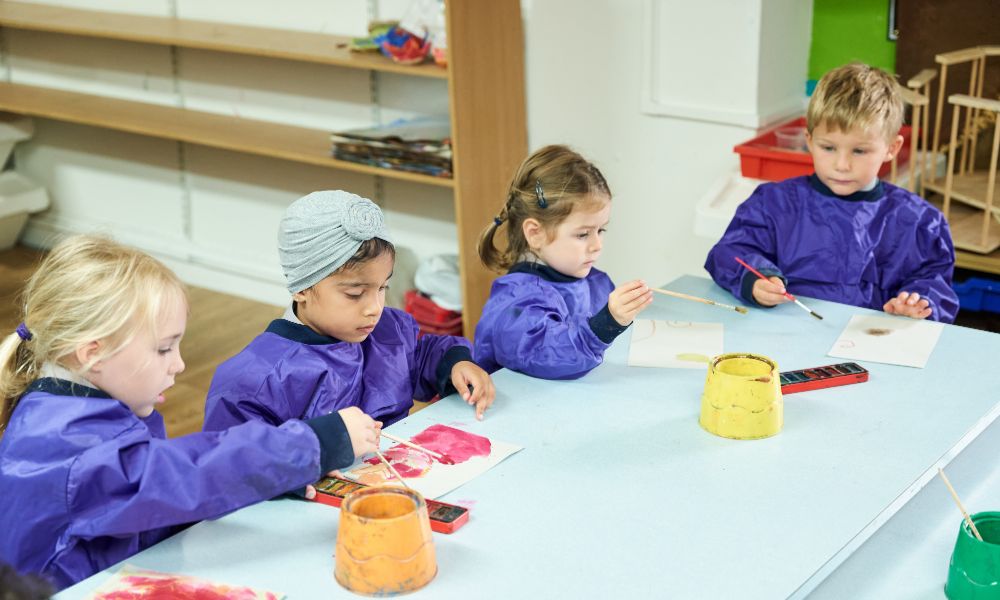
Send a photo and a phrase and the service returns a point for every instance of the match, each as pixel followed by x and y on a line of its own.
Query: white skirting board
pixel 193 264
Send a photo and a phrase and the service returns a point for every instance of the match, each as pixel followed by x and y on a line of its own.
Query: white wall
pixel 587 87
pixel 595 79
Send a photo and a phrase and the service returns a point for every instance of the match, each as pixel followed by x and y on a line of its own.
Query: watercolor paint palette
pixel 444 517
pixel 822 377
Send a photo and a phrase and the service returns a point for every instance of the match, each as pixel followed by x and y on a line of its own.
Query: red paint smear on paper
pixel 407 461
pixel 157 588
pixel 455 444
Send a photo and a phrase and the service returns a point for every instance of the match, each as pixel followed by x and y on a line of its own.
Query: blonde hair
pixel 856 95
pixel 547 187
pixel 87 288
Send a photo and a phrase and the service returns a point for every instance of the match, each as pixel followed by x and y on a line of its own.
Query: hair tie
pixel 497 221
pixel 23 332
pixel 540 195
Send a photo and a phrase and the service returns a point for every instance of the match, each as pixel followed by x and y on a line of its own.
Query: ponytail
pixel 17 369
pixel 491 256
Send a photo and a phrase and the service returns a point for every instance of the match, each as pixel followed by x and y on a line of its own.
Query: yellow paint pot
pixel 742 398
pixel 384 545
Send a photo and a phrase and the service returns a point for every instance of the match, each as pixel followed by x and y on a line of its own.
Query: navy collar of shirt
pixel 61 387
pixel 299 333
pixel 544 271
pixel 871 195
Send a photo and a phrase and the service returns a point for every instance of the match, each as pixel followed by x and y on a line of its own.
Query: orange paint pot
pixel 384 544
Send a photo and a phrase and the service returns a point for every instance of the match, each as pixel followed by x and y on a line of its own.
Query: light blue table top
pixel 619 491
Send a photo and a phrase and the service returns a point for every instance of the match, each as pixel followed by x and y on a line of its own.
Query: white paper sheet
pixel 890 340
pixel 471 454
pixel 667 343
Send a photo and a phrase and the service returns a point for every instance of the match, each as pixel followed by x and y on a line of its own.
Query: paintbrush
pixel 965 514
pixel 786 294
pixel 391 468
pixel 738 309
pixel 411 445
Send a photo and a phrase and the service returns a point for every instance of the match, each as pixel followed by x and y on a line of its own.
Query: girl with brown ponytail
pixel 553 314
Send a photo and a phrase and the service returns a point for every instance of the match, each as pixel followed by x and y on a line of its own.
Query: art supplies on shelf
pixel 818 378
pixel 421 145
pixel 444 517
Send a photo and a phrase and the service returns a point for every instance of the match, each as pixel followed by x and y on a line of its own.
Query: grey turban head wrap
pixel 322 231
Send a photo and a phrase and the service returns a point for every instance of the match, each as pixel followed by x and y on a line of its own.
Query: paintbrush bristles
pixel 965 513
pixel 391 469
pixel 738 309
pixel 807 309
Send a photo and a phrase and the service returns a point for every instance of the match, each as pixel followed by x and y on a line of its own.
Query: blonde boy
pixel 841 234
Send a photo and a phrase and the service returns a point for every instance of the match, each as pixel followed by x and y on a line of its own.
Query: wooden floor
pixel 218 327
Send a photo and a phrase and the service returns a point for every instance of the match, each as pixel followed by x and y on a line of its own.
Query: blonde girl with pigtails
pixel 87 474
pixel 553 314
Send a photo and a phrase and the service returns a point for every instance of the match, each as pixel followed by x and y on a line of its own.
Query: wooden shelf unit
pixel 485 77
pixel 289 142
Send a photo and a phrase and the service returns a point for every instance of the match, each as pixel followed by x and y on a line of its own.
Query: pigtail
pixel 17 371
pixel 488 252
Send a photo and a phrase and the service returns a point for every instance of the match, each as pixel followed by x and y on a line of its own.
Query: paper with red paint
pixel 133 583
pixel 464 456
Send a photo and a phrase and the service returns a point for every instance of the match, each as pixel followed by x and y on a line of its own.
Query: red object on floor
pixel 430 317
pixel 761 158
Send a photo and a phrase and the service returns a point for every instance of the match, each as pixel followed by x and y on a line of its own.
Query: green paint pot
pixel 974 570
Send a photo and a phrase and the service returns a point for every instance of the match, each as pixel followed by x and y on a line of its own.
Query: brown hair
pixel 367 251
pixel 547 187
pixel 87 288
pixel 856 95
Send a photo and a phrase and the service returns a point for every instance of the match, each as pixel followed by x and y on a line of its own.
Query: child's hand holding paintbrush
pixel 770 291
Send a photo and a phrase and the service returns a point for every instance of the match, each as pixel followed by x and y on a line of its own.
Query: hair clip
pixel 497 221
pixel 540 195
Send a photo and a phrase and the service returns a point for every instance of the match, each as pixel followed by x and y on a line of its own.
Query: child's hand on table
pixel 908 305
pixel 769 292
pixel 628 300
pixel 474 385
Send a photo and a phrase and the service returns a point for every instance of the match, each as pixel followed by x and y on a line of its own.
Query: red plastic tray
pixel 761 158
pixel 426 312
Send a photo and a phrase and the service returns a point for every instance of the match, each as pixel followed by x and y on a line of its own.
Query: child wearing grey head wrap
pixel 322 231
pixel 337 344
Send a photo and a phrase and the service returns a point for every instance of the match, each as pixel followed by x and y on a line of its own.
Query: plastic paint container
pixel 974 569
pixel 742 397
pixel 384 545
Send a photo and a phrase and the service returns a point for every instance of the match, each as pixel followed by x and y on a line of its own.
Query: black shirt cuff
pixel 605 327
pixel 452 357
pixel 335 448
pixel 746 285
